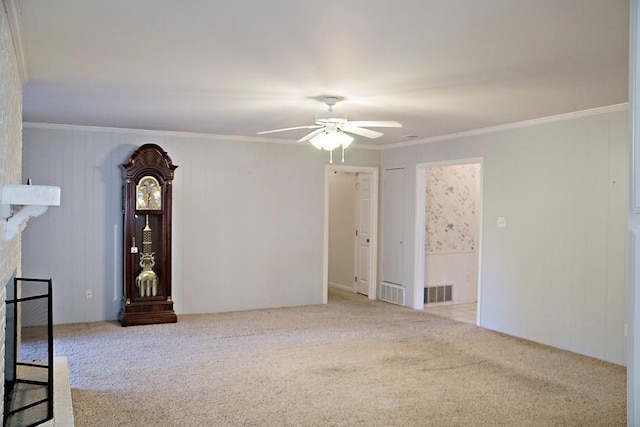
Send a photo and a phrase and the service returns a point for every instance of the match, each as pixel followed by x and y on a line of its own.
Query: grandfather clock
pixel 146 207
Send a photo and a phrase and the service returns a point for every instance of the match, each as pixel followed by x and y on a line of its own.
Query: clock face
pixel 148 194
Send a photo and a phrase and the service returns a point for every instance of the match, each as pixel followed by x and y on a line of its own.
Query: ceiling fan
pixel 331 129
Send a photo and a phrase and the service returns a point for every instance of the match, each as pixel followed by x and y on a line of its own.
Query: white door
pixel 393 226
pixel 363 233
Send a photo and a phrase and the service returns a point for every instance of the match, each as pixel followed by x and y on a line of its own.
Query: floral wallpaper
pixel 452 214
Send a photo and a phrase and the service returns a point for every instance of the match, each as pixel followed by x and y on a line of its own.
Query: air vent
pixel 436 294
pixel 390 292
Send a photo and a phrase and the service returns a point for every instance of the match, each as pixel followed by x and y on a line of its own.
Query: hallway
pixel 466 313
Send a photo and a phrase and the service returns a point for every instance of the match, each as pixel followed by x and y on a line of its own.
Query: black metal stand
pixel 28 384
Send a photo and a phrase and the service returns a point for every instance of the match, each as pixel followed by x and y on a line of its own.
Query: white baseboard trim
pixel 343 287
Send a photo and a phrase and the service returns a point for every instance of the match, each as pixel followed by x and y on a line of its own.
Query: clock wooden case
pixel 146 207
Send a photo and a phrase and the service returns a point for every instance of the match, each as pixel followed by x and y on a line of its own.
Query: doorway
pixel 448 234
pixel 350 224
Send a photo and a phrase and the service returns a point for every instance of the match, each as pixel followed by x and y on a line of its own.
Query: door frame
pixel 373 254
pixel 420 232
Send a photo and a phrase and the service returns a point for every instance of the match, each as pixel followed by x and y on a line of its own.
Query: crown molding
pixel 516 125
pixel 233 138
pixel 15 26
pixel 166 133
pixel 152 133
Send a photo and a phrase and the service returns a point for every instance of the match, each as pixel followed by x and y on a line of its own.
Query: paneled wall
pixel 633 351
pixel 10 160
pixel 556 273
pixel 248 220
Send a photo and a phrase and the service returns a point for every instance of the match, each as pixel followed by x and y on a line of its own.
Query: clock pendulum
pixel 147 280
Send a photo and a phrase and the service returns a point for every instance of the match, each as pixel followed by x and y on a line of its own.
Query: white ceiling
pixel 237 67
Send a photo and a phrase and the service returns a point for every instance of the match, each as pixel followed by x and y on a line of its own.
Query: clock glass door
pixel 149 273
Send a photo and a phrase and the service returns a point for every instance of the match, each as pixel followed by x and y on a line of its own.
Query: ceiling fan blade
pixel 368 133
pixel 311 135
pixel 285 129
pixel 377 124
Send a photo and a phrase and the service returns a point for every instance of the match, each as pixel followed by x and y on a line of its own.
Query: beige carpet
pixel 352 362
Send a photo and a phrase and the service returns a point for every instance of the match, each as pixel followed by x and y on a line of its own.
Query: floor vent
pixel 390 292
pixel 435 294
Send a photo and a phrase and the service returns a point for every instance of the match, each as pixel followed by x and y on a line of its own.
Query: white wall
pixel 556 273
pixel 247 230
pixel 10 161
pixel 342 225
pixel 457 269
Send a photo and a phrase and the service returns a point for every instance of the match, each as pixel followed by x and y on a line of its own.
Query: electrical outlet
pixel 502 221
pixel 89 294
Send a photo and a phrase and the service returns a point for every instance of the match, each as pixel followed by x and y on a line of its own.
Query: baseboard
pixel 342 287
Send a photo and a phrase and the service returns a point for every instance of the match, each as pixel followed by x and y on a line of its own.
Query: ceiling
pixel 237 67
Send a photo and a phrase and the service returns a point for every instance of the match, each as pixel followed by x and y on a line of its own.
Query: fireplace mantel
pixel 34 201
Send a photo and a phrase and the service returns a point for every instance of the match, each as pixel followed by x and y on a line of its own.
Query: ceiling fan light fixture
pixel 330 140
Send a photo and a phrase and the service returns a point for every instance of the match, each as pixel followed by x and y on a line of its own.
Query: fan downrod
pixel 331 101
